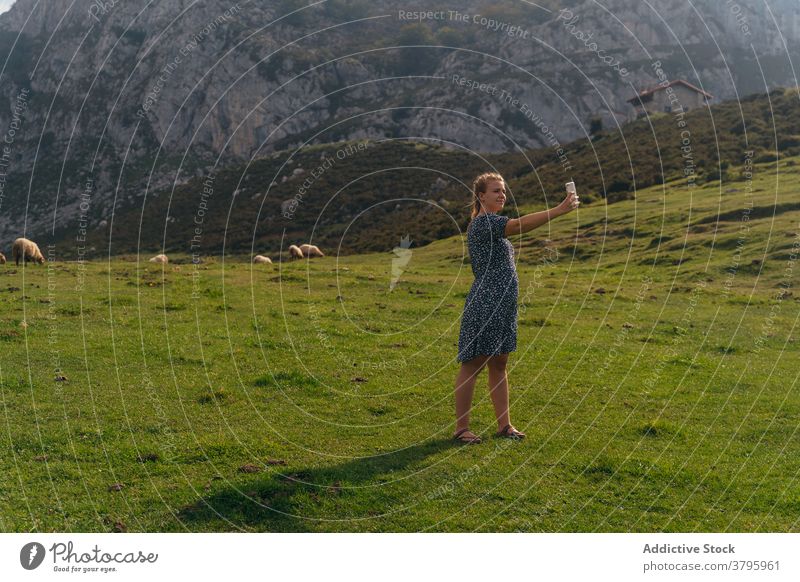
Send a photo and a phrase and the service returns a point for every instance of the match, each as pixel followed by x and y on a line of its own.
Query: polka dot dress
pixel 489 322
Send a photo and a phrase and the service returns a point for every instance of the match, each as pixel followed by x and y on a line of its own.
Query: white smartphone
pixel 570 187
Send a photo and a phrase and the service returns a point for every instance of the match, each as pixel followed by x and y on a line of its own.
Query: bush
pixel 716 175
pixel 618 185
pixel 448 36
pixel 788 142
pixel 416 61
pixel 595 125
pixel 765 158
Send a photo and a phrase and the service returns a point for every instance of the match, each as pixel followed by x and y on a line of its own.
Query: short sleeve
pixel 490 227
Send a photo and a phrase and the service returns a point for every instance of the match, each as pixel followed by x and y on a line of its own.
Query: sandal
pixel 510 432
pixel 467 440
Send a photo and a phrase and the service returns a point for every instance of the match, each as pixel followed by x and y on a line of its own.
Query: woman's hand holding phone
pixel 571 202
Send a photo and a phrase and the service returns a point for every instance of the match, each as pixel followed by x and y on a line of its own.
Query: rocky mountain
pixel 109 101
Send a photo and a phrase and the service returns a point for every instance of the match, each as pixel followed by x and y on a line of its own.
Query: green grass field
pixel 656 378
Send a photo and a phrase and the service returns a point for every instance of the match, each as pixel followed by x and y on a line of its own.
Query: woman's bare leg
pixel 498 388
pixel 465 388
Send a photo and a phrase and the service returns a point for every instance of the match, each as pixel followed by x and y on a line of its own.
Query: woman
pixel 489 323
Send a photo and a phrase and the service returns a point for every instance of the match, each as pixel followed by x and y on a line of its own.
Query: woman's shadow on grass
pixel 282 498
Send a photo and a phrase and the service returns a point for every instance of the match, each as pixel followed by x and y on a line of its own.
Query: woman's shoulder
pixel 484 217
pixel 487 226
pixel 487 218
pixel 475 219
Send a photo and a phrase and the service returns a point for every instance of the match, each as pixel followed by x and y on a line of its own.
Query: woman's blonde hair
pixel 479 187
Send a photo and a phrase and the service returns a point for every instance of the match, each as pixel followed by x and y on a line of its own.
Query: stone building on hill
pixel 665 98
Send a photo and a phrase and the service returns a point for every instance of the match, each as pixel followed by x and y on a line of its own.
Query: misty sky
pixel 5 5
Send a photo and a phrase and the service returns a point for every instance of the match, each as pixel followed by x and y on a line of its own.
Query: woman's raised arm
pixel 534 220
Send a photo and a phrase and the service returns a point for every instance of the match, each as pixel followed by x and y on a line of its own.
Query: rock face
pixel 113 99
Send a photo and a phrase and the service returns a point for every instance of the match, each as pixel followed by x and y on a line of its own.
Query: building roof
pixel 657 88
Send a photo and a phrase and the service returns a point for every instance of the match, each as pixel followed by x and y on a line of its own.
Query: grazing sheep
pixel 26 250
pixel 163 259
pixel 311 251
pixel 261 260
pixel 2 259
pixel 295 252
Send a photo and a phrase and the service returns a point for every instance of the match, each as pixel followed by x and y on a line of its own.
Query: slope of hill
pixel 365 196
pixel 655 377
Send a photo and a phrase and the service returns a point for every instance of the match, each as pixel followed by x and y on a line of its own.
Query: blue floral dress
pixel 489 322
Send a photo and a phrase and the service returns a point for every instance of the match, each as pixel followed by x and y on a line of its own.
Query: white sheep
pixel 311 251
pixel 261 260
pixel 162 259
pixel 2 259
pixel 26 250
pixel 295 252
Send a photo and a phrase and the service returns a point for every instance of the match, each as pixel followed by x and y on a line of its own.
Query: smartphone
pixel 570 187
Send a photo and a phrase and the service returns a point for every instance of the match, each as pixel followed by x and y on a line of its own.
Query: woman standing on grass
pixel 489 323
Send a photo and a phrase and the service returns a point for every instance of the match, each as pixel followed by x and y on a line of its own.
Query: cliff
pixel 110 100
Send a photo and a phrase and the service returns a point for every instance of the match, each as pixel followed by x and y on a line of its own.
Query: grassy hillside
pixel 352 198
pixel 655 376
pixel 365 196
pixel 691 147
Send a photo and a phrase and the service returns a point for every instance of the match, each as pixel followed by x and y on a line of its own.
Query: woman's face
pixel 494 198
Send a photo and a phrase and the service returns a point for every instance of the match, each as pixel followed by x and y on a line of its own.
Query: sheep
pixel 311 251
pixel 261 260
pixel 295 252
pixel 163 259
pixel 2 259
pixel 26 250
